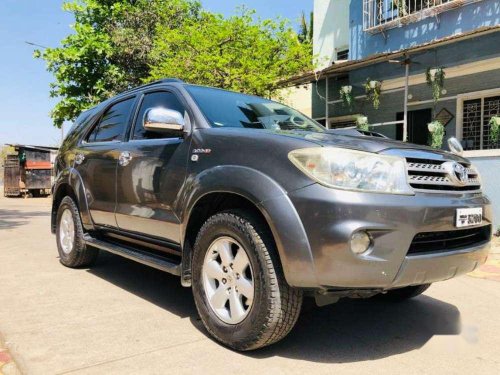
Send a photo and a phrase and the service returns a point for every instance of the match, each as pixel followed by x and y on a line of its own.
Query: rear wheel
pixel 402 294
pixel 238 286
pixel 73 252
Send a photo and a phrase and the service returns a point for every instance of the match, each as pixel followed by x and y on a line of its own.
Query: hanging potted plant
pixel 372 90
pixel 362 123
pixel 435 79
pixel 495 128
pixel 400 5
pixel 436 130
pixel 346 96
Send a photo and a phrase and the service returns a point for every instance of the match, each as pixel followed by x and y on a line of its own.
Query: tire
pixel 402 294
pixel 275 306
pixel 73 253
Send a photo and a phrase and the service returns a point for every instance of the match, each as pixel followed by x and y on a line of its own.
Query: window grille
pixel 477 114
pixel 379 15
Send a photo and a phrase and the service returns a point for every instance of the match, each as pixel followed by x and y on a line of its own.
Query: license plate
pixel 467 217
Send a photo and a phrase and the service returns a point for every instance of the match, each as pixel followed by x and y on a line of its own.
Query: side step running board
pixel 136 255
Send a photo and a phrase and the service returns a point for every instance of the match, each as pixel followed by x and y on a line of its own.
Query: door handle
pixel 125 158
pixel 79 158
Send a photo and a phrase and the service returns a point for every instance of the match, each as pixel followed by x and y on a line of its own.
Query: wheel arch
pixel 234 187
pixel 69 183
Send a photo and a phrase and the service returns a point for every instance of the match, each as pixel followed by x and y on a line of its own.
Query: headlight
pixel 353 170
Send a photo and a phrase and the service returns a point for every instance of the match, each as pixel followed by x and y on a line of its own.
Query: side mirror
pixel 162 120
pixel 455 146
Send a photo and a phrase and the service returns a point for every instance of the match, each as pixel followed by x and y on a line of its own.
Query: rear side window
pixel 113 123
pixel 160 99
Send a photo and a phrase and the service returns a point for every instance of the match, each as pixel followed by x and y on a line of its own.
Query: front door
pixel 148 185
pixel 96 160
pixel 418 132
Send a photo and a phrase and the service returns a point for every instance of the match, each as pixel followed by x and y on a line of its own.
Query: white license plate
pixel 467 217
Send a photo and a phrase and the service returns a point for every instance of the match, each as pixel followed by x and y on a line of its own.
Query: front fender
pixel 274 204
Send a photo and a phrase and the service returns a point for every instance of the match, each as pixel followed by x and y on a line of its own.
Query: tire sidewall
pixel 234 335
pixel 68 258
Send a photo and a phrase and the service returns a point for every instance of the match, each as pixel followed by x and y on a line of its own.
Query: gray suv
pixel 255 206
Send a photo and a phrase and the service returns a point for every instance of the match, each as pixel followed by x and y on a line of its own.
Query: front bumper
pixel 331 216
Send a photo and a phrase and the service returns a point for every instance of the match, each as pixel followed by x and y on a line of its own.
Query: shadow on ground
pixel 14 218
pixel 349 331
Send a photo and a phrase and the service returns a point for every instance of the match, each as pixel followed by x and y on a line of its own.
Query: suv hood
pixel 375 144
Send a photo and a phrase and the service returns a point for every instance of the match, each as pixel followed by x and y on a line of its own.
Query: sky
pixel 24 83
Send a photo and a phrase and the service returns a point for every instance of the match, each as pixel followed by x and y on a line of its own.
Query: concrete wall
pixel 297 97
pixel 456 21
pixel 491 183
pixel 331 29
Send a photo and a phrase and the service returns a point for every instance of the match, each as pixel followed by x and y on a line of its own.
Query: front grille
pixel 432 242
pixel 431 175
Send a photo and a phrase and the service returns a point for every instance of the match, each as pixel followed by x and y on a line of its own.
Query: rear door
pixel 148 185
pixel 97 157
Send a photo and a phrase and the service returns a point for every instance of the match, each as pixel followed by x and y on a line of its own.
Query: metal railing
pixel 379 15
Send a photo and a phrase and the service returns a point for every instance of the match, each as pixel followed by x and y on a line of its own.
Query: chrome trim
pixel 431 176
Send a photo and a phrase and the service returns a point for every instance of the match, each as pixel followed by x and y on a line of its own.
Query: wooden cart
pixel 29 171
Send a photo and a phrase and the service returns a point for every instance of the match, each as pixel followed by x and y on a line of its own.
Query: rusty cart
pixel 28 171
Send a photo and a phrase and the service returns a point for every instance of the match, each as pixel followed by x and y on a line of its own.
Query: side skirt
pixel 157 261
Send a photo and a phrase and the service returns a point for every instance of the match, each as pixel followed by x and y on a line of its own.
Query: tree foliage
pixel 118 44
pixel 306 30
pixel 238 53
pixel 109 50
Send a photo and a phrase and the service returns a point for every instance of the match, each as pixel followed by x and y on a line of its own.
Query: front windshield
pixel 230 109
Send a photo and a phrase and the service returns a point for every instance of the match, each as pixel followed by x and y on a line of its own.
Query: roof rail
pixel 164 80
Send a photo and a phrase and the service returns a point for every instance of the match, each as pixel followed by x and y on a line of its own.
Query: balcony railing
pixel 379 15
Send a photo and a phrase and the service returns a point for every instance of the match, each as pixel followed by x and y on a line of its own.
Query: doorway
pixel 418 132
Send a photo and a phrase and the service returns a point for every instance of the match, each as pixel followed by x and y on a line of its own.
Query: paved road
pixel 121 317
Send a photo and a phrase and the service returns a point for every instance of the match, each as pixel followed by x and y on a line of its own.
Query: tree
pixel 239 53
pixel 119 44
pixel 306 30
pixel 109 50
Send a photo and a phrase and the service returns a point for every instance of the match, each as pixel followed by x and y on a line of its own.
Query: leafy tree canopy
pixel 118 44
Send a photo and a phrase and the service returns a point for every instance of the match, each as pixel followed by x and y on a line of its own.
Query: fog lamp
pixel 360 242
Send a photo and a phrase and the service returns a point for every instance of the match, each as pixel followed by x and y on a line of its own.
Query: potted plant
pixel 346 96
pixel 362 123
pixel 372 90
pixel 435 79
pixel 436 130
pixel 494 128
pixel 400 5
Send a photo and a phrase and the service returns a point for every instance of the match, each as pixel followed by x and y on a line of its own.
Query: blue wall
pixel 460 20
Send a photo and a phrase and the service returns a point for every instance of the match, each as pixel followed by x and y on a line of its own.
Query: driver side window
pixel 160 99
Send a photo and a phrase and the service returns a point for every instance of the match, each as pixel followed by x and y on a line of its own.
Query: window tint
pixel 113 122
pixel 163 99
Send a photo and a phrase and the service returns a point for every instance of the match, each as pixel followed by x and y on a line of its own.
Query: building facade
pixel 396 45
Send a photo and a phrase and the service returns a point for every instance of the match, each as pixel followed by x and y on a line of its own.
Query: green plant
pixel 435 79
pixel 346 96
pixel 306 29
pixel 373 89
pixel 362 123
pixel 119 44
pixel 400 5
pixel 436 130
pixel 494 128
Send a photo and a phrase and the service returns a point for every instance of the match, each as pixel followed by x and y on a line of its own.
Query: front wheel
pixel 238 285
